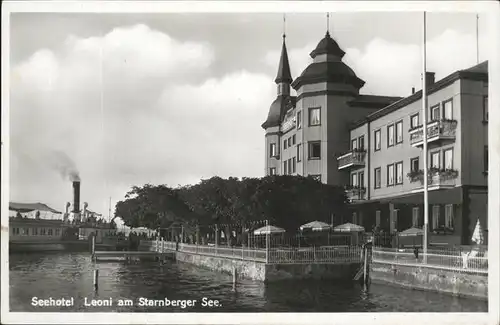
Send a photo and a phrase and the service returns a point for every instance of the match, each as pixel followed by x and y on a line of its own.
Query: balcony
pixel 436 131
pixel 438 179
pixel 354 158
pixel 288 124
pixel 355 193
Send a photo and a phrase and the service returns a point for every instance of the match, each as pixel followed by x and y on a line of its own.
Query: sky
pixel 172 98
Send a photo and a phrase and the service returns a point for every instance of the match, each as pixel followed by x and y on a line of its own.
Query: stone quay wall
pixel 455 283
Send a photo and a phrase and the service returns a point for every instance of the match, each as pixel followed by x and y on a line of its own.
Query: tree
pixel 286 201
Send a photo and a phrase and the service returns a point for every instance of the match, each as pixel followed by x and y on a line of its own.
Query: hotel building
pixel 372 145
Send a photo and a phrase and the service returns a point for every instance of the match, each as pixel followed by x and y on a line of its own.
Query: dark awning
pixel 448 196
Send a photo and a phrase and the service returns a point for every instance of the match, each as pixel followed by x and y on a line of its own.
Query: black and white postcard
pixel 250 162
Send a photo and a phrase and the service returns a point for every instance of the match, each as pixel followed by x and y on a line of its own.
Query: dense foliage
pixel 285 201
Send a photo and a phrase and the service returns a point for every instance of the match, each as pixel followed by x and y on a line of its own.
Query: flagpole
pixel 424 129
pixel 477 39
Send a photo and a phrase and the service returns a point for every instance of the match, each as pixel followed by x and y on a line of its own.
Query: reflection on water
pixel 58 275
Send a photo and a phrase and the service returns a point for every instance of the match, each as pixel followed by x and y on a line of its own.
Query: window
pixel 299 119
pixel 435 160
pixel 272 150
pixel 315 150
pixel 34 231
pixel 485 108
pixel 299 152
pixel 293 139
pixel 414 164
pixel 285 168
pixel 361 179
pixel 289 166
pixel 377 175
pixel 390 135
pixel 26 231
pixel 435 116
pixel 361 142
pixel 289 142
pixel 435 216
pixel 399 132
pixel 448 159
pixel 448 109
pixel 414 121
pixel 399 173
pixel 285 144
pixel 294 165
pixel 390 175
pixel 377 139
pixel 449 217
pixel 485 158
pixel 354 179
pixel 42 231
pixel 377 218
pixel 354 144
pixel 415 217
pixel 314 116
pixel 272 171
pixel 50 232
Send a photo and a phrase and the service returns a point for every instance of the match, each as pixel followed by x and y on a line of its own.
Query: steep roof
pixel 328 71
pixel 373 101
pixel 277 110
pixel 327 46
pixel 284 74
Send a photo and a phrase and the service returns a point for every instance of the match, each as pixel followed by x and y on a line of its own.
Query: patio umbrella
pixel 316 226
pixel 349 227
pixel 411 232
pixel 477 236
pixel 268 230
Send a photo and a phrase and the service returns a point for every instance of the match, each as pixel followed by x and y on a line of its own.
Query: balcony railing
pixel 353 158
pixel 437 178
pixel 288 124
pixel 436 130
pixel 355 193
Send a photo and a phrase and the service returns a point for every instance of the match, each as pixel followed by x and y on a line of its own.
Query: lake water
pixel 66 275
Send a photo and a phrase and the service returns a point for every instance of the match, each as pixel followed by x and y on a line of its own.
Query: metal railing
pixel 315 255
pixel 444 128
pixel 277 255
pixel 474 261
pixel 352 158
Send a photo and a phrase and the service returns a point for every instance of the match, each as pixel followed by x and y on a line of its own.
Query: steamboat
pixel 38 227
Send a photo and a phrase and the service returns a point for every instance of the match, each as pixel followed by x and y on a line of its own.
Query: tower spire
pixel 284 74
pixel 327 23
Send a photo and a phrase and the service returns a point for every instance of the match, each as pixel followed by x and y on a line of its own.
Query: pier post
pixel 96 279
pixel 365 251
pixel 92 247
pixel 267 244
pixel 216 237
pixel 234 277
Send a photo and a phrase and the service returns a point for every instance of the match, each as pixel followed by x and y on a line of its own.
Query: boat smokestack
pixel 66 208
pixel 76 196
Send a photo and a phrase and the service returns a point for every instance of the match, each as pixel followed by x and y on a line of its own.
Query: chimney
pixel 76 196
pixel 429 78
pixel 412 90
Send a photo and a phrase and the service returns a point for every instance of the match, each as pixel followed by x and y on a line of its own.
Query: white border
pixel 490 7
